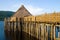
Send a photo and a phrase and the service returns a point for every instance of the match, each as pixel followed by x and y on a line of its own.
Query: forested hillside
pixel 5 14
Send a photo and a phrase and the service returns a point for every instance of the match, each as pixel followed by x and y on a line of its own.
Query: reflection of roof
pixel 53 17
pixel 22 12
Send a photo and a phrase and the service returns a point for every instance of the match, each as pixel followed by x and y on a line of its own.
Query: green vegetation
pixel 5 14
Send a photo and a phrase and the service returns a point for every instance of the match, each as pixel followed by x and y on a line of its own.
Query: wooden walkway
pixel 37 29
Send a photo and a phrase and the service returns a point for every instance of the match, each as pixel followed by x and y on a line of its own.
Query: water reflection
pixel 18 36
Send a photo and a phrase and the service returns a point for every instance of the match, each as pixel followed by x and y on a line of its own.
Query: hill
pixel 5 14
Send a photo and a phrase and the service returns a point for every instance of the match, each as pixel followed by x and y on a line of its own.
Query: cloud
pixel 34 10
pixel 15 7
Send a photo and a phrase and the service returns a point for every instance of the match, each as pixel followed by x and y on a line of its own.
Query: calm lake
pixel 2 34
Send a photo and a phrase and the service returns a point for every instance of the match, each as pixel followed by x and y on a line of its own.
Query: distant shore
pixel 5 14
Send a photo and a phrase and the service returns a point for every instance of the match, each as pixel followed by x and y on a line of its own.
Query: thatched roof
pixel 22 12
pixel 53 17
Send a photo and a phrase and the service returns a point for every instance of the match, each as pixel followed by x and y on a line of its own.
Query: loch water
pixel 2 34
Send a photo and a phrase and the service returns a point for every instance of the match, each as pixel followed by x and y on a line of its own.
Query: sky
pixel 35 7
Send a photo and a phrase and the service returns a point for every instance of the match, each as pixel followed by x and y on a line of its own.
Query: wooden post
pixel 51 32
pixel 9 25
pixel 54 32
pixel 15 26
pixel 26 26
pixel 12 26
pixel 36 30
pixel 29 28
pixel 19 25
pixel 5 24
pixel 42 31
pixel 45 32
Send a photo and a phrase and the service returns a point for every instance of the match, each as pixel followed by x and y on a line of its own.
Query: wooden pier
pixel 41 27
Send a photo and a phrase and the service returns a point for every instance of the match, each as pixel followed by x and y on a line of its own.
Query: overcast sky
pixel 35 7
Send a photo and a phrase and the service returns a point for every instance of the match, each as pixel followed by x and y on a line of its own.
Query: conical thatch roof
pixel 22 12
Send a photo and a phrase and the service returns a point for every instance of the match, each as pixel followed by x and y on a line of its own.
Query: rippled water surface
pixel 2 34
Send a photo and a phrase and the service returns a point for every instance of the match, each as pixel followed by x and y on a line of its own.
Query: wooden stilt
pixel 19 25
pixel 14 26
pixel 9 26
pixel 54 33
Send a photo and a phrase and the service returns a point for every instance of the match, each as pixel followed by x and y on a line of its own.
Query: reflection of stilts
pixel 19 35
pixel 7 35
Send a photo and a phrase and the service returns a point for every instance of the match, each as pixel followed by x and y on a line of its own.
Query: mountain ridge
pixel 5 14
